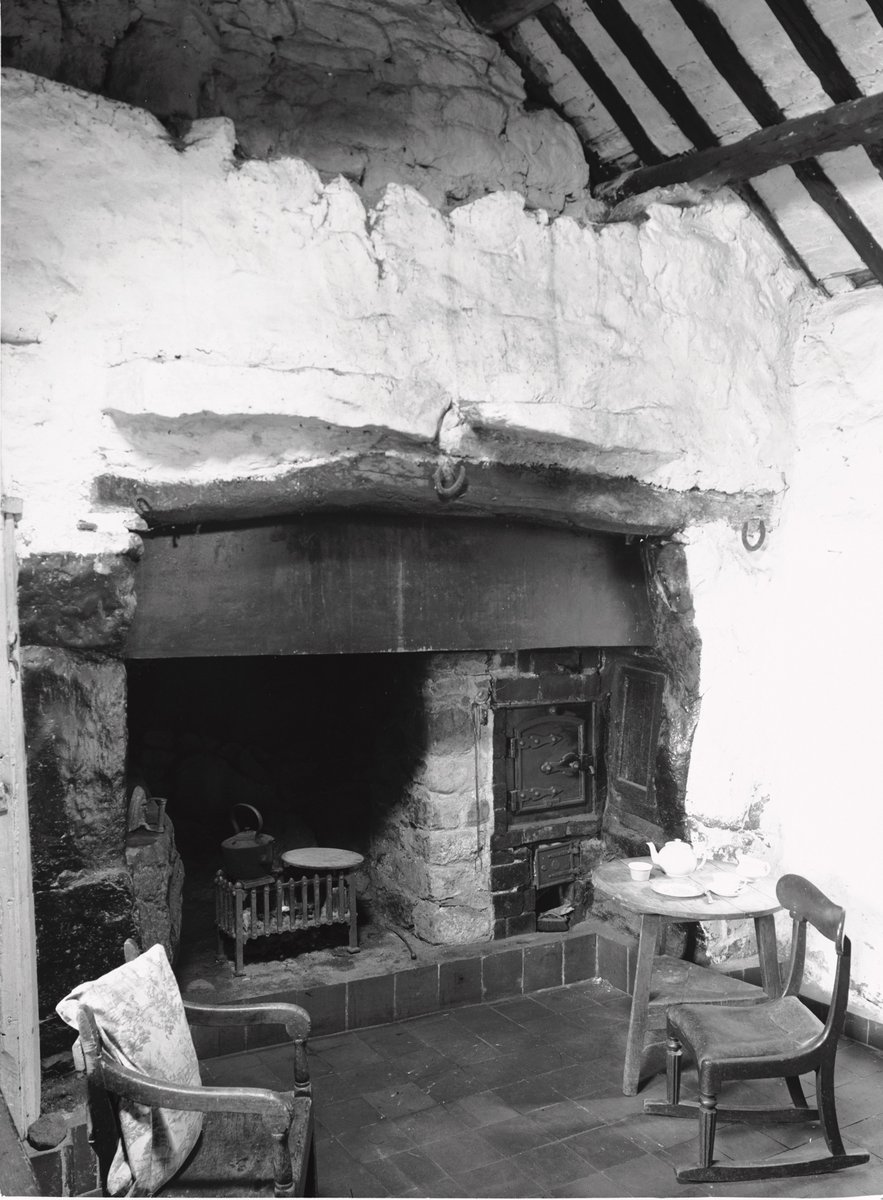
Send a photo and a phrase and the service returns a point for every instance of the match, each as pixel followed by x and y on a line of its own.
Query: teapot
pixel 675 858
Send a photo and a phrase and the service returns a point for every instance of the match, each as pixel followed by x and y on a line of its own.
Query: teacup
pixel 640 871
pixel 750 867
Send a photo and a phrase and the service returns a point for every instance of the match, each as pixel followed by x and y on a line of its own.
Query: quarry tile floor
pixel 523 1097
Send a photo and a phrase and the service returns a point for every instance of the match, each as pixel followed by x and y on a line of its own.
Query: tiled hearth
pixel 488 971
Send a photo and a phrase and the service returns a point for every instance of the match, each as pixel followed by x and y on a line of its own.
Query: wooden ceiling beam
pixel 632 43
pixel 821 56
pixel 723 53
pixel 855 123
pixel 574 48
pixel 628 36
pixel 844 216
pixel 815 48
pixel 496 16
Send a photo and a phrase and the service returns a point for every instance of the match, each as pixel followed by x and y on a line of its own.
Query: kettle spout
pixel 654 854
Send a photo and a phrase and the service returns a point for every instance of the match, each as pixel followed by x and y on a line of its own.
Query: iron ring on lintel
pixel 753 534
pixel 447 487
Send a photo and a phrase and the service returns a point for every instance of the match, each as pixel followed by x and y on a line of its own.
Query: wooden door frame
pixel 19 1029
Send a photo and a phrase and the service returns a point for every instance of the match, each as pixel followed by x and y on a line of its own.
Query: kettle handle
pixel 250 809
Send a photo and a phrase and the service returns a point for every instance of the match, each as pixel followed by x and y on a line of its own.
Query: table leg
pixel 354 930
pixel 650 926
pixel 768 955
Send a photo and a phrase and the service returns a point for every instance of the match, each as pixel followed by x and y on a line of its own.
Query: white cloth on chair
pixel 139 1011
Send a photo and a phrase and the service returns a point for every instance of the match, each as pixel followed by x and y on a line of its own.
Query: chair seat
pixel 777 1030
pixel 233 1156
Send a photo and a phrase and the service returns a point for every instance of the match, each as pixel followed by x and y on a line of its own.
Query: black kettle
pixel 249 853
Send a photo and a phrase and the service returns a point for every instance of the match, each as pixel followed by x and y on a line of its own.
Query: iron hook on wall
pixel 753 534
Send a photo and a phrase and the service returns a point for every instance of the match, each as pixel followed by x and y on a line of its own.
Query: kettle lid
pixel 247 837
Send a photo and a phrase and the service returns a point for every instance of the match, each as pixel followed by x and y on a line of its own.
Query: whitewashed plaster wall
pixel 145 278
pixel 827 605
pixel 786 755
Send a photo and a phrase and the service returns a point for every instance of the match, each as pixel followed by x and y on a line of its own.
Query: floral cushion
pixel 139 1012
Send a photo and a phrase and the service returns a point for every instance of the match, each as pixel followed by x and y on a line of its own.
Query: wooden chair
pixel 780 1038
pixel 254 1141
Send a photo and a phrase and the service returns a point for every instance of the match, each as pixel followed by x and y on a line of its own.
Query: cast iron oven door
pixel 549 760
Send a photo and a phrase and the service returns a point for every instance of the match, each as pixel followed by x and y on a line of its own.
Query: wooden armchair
pixel 780 1038
pixel 253 1141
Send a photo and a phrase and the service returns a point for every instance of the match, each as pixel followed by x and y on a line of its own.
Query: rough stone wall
pixel 173 315
pixel 429 858
pixel 75 714
pixel 383 91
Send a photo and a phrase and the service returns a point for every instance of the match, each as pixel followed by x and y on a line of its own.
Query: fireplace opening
pixel 357 682
pixel 326 749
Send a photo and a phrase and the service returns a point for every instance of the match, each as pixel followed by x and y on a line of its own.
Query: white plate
pixel 682 888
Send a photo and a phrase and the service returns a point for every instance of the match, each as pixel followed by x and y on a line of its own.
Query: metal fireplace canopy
pixel 337 584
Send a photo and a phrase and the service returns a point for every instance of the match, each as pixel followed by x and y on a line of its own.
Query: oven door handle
pixel 570 764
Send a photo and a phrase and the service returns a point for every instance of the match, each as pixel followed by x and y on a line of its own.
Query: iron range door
pixel 550 762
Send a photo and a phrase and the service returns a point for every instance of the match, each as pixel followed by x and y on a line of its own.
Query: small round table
pixel 661 980
pixel 328 860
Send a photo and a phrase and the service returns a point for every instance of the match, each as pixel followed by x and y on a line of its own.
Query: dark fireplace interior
pixel 315 743
pixel 319 745
pixel 359 751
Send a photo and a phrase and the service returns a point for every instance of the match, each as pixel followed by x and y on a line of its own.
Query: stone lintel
pixel 398 482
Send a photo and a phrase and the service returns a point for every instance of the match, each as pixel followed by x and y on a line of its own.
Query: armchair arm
pixel 277 1108
pixel 295 1019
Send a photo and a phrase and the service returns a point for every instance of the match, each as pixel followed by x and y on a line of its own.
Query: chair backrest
pixel 808 905
pixel 804 900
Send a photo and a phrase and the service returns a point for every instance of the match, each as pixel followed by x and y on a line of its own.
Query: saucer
pixel 725 885
pixel 683 889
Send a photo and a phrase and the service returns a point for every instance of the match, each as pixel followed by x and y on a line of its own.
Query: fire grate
pixel 259 908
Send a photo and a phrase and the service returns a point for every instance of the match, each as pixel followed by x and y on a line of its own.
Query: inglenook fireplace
pixel 457 700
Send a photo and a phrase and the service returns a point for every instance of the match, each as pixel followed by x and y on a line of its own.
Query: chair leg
pixel 673 1060
pixel 827 1109
pixel 795 1091
pixel 311 1187
pixel 284 1183
pixel 707 1126
pixel 672 1106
